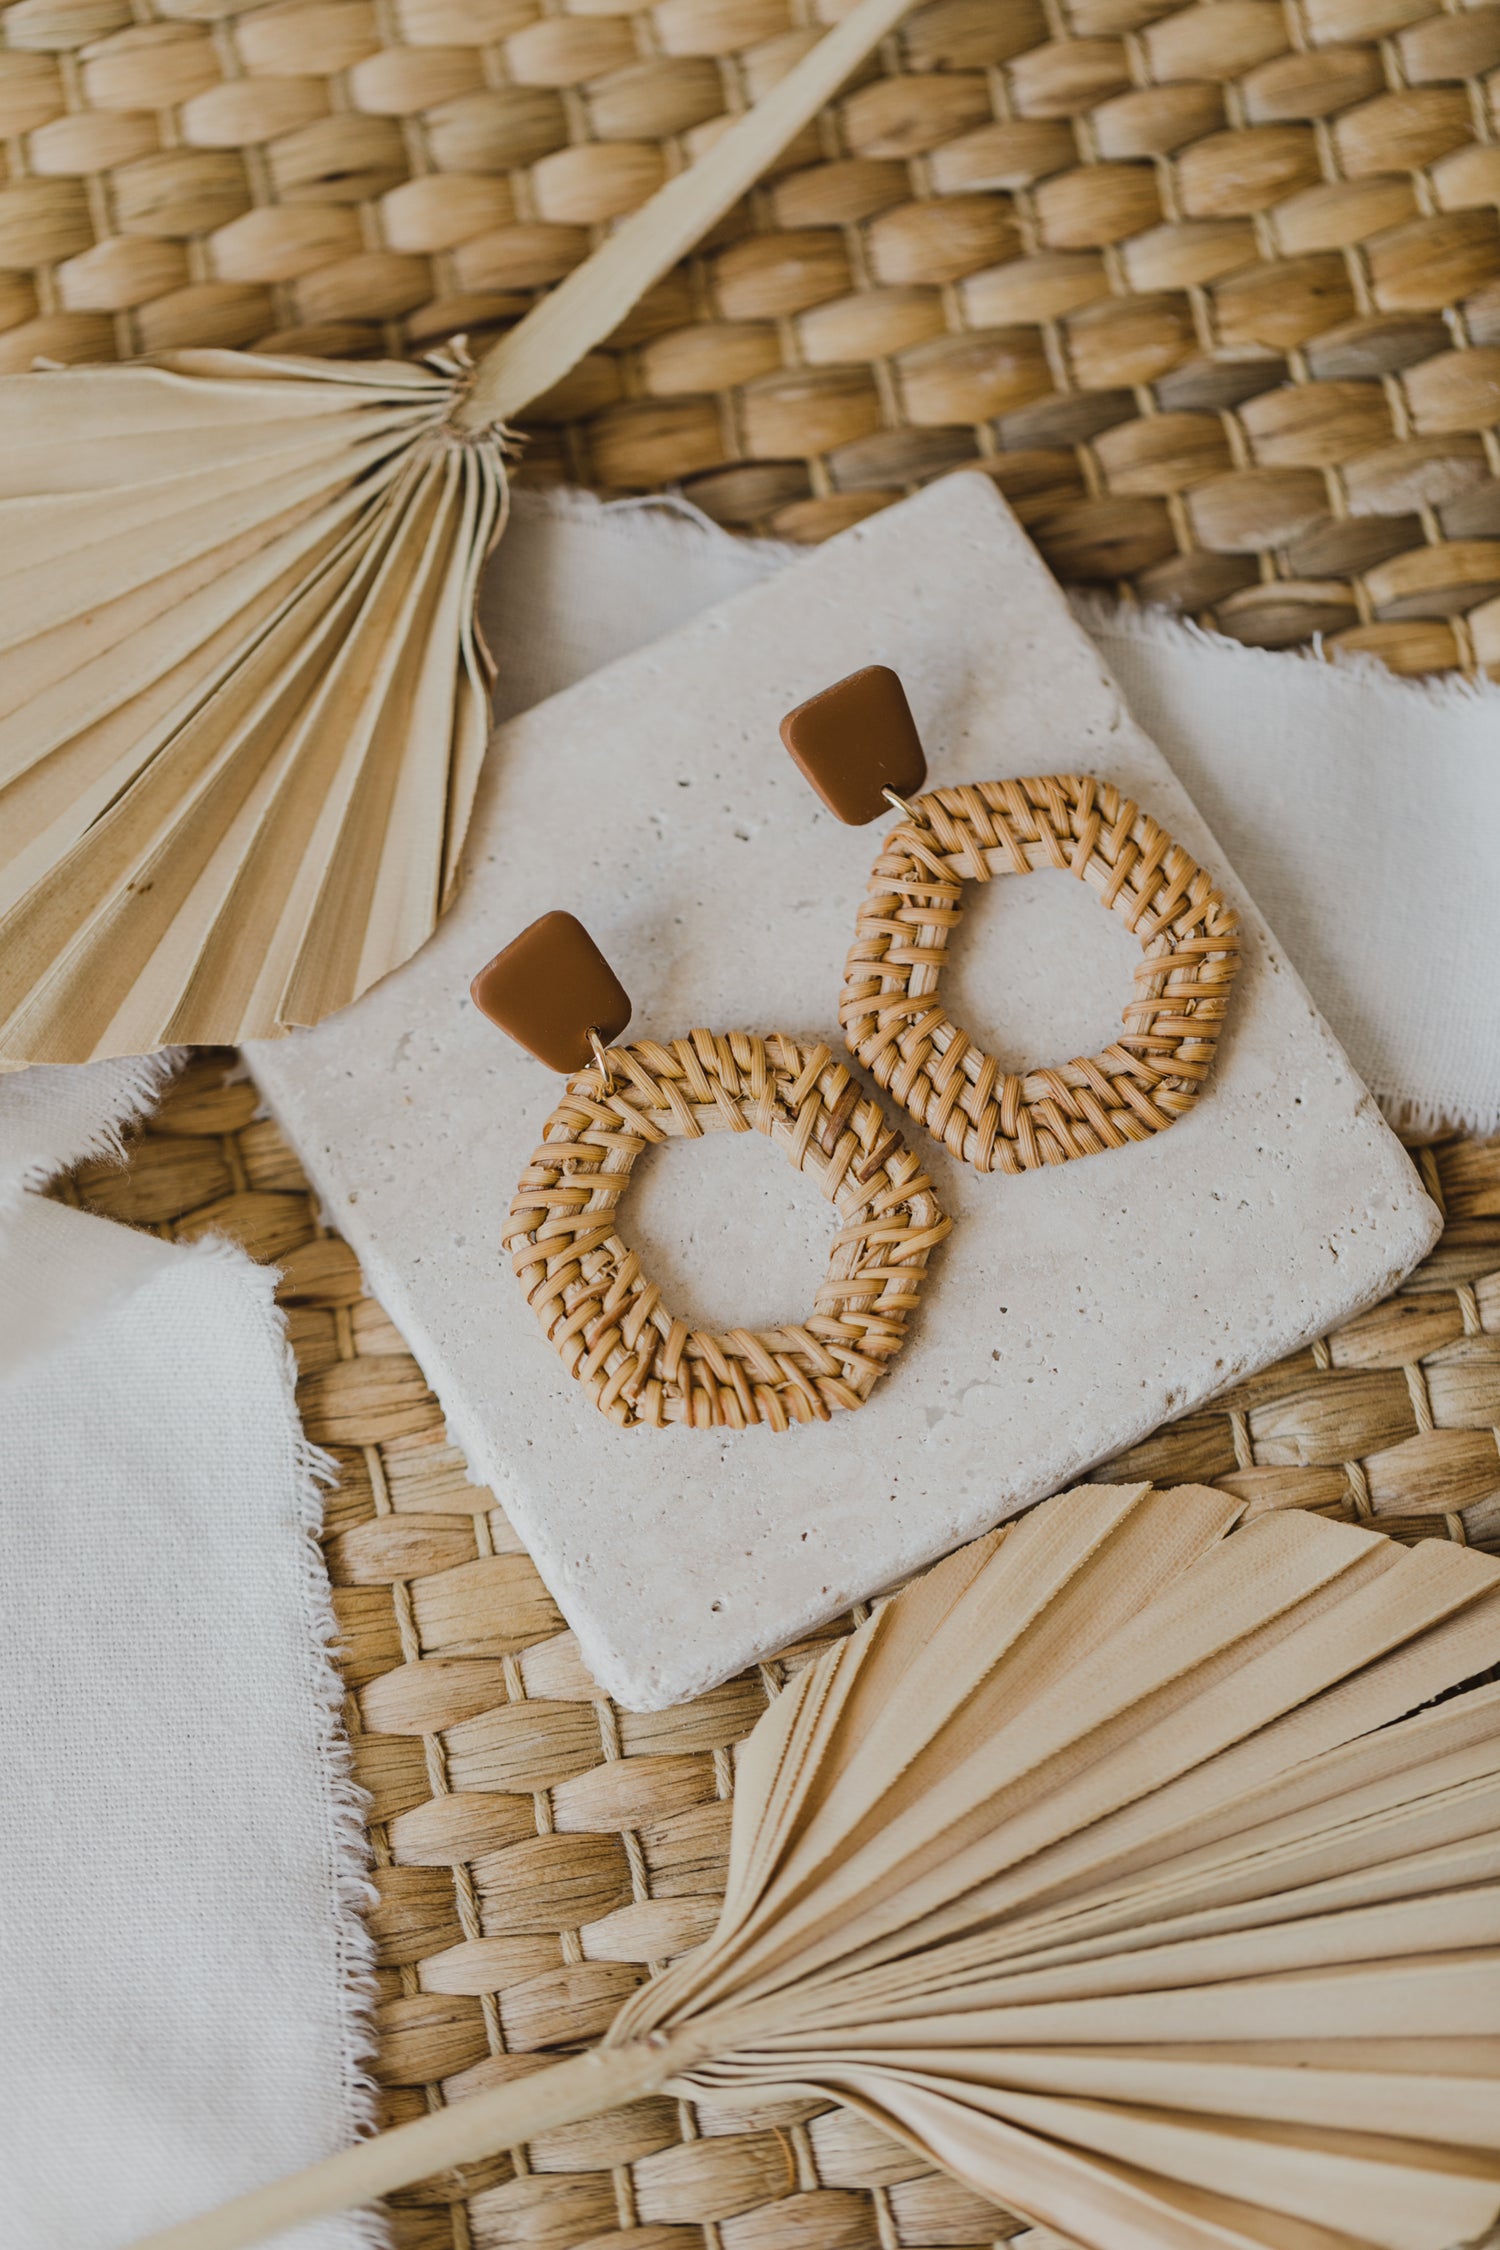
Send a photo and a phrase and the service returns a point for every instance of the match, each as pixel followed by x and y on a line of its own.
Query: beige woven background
pixel 1214 290
pixel 538 1849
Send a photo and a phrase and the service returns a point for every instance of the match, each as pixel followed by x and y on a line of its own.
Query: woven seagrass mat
pixel 537 1849
pixel 1213 291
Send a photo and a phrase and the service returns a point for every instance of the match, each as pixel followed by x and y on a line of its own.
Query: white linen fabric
pixel 1361 812
pixel 51 1119
pixel 184 1974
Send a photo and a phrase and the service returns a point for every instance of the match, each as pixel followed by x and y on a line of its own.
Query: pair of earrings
pixel 555 993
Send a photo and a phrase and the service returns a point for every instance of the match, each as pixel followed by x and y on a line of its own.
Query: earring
pixel 857 743
pixel 554 992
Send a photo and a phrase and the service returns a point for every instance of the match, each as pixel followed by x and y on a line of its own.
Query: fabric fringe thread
pixel 348 1805
pixel 312 1473
pixel 1099 614
pixel 1415 1117
pixel 141 1082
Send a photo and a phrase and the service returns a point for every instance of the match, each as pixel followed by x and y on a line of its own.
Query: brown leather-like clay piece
pixel 856 740
pixel 549 988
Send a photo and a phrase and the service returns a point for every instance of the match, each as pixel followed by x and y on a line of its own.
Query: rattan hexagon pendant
pixel 1013 1121
pixel 639 1363
pixel 554 992
pixel 857 744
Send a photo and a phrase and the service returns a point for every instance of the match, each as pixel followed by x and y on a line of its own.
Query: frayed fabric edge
pixel 661 513
pixel 1101 617
pixel 25 1177
pixel 144 1079
pixel 1437 1120
pixel 1415 1116
pixel 314 1473
pixel 347 1809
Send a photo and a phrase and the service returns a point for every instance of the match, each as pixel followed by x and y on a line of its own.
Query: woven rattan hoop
pixel 602 1312
pixel 1003 1121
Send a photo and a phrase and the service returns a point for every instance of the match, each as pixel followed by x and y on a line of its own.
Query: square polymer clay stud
pixel 856 740
pixel 549 988
pixel 554 993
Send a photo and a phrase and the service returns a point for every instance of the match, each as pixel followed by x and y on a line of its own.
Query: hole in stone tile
pixel 734 1237
pixel 1038 971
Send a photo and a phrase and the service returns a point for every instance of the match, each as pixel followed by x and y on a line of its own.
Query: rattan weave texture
pixel 1214 290
pixel 642 1365
pixel 1009 1121
pixel 538 1849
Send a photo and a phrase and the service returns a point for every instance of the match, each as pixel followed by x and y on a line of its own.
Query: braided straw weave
pixel 1213 291
pixel 537 1849
pixel 640 1364
pixel 1007 1121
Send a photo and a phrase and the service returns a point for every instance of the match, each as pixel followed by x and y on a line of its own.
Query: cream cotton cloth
pixel 181 1971
pixel 1363 814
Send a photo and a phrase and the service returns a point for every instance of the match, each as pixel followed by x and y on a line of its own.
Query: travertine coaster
pixel 1072 1308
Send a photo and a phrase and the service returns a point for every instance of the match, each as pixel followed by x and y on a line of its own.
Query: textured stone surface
pixel 1070 1311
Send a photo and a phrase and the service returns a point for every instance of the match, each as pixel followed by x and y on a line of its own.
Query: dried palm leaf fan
pixel 1116 1866
pixel 242 694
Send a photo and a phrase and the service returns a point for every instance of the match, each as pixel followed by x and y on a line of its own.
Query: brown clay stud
pixel 549 988
pixel 856 740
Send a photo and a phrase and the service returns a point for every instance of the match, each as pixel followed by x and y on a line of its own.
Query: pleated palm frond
pixel 243 702
pixel 1127 1869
